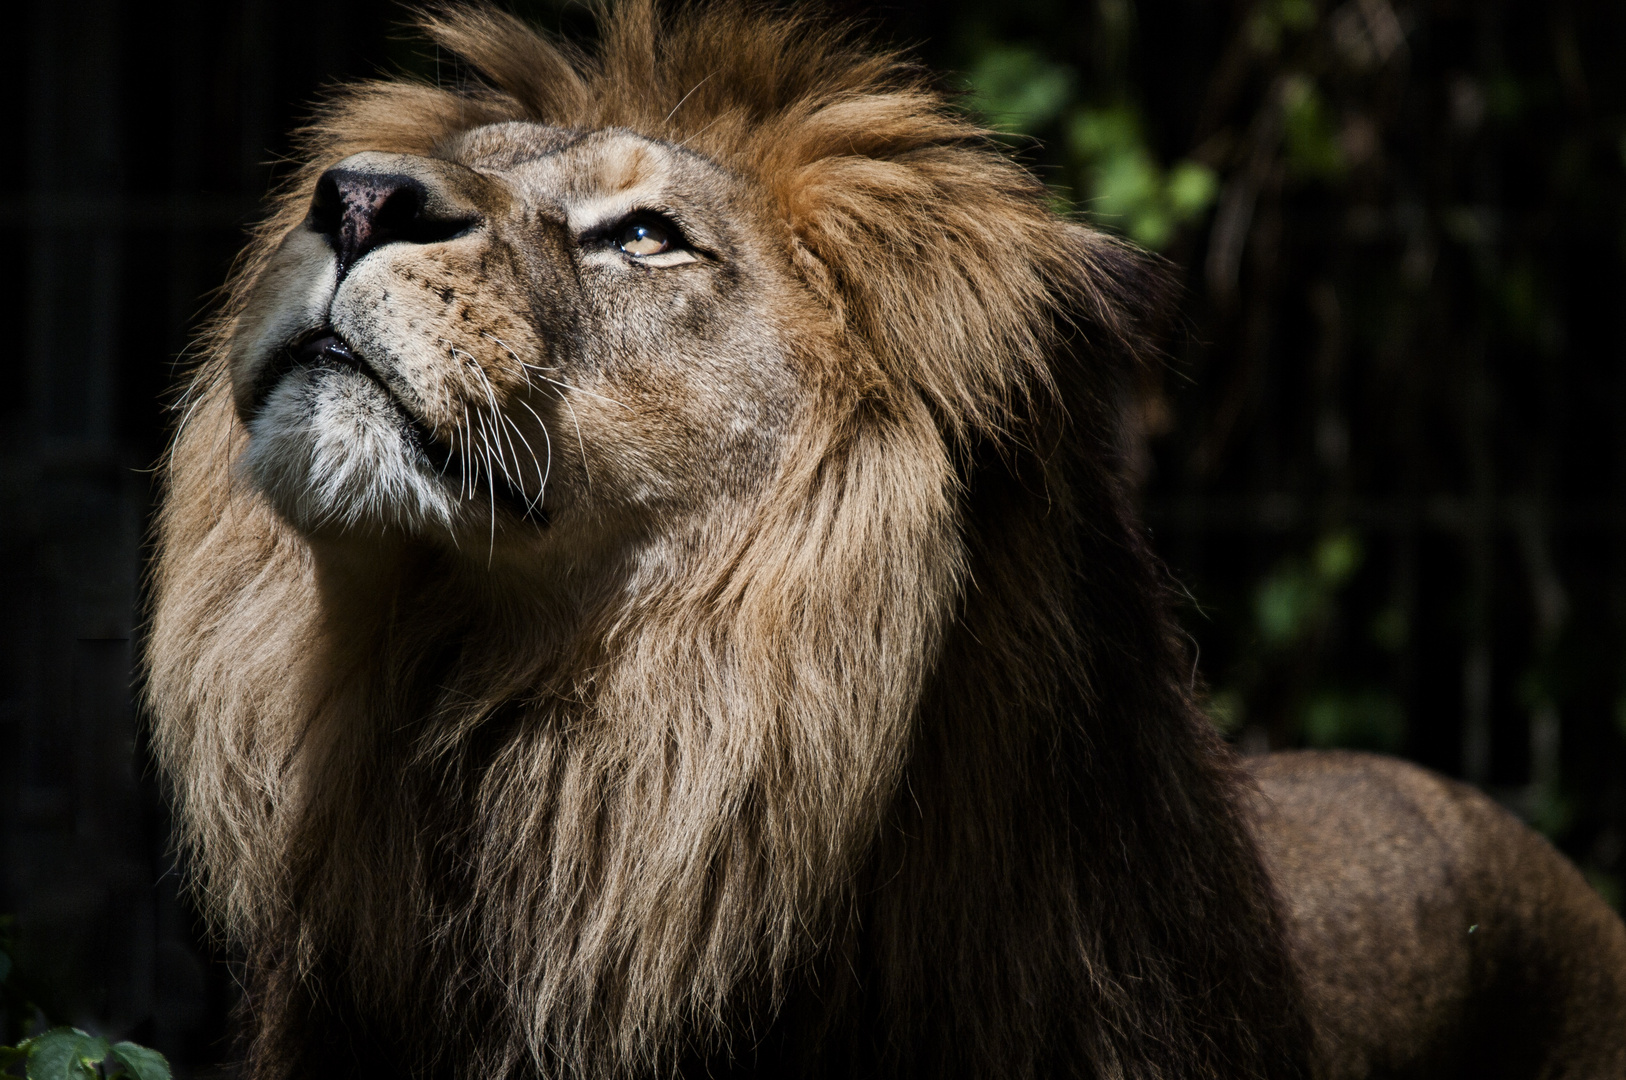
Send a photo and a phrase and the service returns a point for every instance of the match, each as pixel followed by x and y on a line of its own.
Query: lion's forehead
pixel 591 176
pixel 506 145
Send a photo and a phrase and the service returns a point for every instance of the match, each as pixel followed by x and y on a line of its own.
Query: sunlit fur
pixel 879 759
pixel 356 468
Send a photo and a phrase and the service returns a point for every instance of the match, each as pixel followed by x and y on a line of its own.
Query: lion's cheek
pixel 290 299
pixel 649 468
pixel 665 455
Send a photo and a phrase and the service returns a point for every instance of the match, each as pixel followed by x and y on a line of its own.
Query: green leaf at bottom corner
pixel 140 1062
pixel 65 1053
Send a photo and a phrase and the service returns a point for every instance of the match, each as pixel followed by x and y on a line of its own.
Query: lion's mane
pixel 906 779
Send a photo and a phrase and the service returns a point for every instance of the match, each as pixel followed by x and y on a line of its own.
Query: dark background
pixel 1385 455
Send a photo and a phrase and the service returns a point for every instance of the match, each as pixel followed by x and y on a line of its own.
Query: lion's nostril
pixel 359 211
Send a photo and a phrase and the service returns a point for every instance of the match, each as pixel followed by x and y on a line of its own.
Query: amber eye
pixel 644 238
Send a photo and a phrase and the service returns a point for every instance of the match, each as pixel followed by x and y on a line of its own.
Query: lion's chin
pixel 330 450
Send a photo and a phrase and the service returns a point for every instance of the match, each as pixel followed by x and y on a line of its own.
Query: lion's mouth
pixel 324 348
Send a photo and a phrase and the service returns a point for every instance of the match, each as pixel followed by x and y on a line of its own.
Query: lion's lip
pixel 324 348
pixel 319 348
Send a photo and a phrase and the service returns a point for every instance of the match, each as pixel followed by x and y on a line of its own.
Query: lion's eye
pixel 644 238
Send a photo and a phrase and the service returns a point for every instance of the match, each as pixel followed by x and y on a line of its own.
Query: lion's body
pixel 1438 936
pixel 645 585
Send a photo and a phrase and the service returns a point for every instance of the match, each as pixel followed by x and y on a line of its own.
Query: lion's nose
pixel 359 210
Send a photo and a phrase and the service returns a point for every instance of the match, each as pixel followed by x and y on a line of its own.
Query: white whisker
pixel 464 455
pixel 702 131
pixel 589 393
pixel 543 425
pixel 491 492
pixel 541 476
pixel 491 396
pixel 580 444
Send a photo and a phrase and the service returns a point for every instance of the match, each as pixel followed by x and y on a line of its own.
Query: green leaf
pixel 1151 227
pixel 1124 185
pixel 1017 91
pixel 1284 606
pixel 1366 720
pixel 142 1063
pixel 1108 132
pixel 1337 557
pixel 64 1053
pixel 1313 149
pixel 1191 189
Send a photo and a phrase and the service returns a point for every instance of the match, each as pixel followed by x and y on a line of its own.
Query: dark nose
pixel 359 211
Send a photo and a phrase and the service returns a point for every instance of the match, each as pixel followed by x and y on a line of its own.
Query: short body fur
pixel 1439 937
pixel 809 705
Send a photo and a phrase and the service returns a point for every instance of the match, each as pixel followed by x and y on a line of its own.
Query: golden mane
pixel 901 777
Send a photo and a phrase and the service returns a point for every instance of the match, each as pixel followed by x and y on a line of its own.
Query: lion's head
pixel 591 339
pixel 644 576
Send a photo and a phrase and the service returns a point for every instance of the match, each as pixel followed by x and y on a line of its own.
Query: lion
pixel 646 586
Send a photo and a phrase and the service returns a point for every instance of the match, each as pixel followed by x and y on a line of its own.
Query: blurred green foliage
pixel 1294 606
pixel 1295 599
pixel 1311 140
pixel 1114 174
pixel 1125 186
pixel 1361 720
pixel 1269 23
pixel 1016 90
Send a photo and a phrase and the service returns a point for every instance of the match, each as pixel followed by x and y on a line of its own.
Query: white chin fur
pixel 329 450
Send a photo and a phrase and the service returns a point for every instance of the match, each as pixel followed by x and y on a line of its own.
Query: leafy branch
pixel 66 1053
